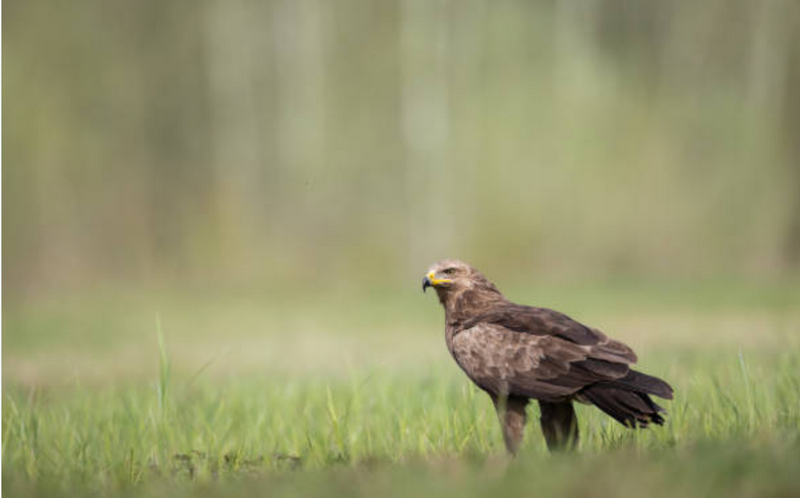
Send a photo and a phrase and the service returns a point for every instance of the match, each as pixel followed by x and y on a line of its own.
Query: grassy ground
pixel 243 397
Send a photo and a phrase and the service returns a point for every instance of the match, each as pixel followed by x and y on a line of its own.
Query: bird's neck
pixel 462 305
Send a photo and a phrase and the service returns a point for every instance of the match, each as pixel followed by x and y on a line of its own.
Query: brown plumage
pixel 516 353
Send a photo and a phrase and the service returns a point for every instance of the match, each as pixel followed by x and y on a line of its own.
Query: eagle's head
pixel 451 277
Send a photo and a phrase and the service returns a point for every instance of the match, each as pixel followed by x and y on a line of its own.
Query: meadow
pixel 216 216
pixel 354 393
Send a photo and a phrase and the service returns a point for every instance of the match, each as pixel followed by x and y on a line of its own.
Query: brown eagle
pixel 517 353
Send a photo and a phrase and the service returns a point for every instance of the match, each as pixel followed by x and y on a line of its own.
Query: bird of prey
pixel 517 353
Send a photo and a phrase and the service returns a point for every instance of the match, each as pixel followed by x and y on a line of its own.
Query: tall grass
pixel 107 441
pixel 163 369
pixel 226 397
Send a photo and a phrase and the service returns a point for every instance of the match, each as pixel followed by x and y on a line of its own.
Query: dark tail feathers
pixel 627 400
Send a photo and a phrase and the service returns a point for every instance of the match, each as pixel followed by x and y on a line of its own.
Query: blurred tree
pixel 239 140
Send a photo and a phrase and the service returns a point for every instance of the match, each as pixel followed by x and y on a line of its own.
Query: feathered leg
pixel 559 425
pixel 511 412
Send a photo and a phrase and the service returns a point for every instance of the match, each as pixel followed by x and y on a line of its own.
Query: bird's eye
pixel 449 271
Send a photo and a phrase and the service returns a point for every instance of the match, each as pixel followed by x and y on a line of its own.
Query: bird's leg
pixel 559 425
pixel 511 412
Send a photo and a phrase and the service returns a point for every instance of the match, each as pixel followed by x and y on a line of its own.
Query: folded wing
pixel 542 354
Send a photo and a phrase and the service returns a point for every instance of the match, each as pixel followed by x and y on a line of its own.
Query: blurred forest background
pixel 217 215
pixel 323 143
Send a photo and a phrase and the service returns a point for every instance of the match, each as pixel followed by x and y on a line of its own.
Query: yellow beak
pixel 430 280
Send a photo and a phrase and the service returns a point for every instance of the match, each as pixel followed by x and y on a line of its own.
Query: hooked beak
pixel 430 280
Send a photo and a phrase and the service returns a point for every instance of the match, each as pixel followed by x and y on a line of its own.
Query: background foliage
pixel 247 141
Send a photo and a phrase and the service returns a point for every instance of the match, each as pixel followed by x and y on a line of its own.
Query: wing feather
pixel 537 353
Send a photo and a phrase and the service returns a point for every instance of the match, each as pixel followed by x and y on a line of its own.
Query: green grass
pixel 394 418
